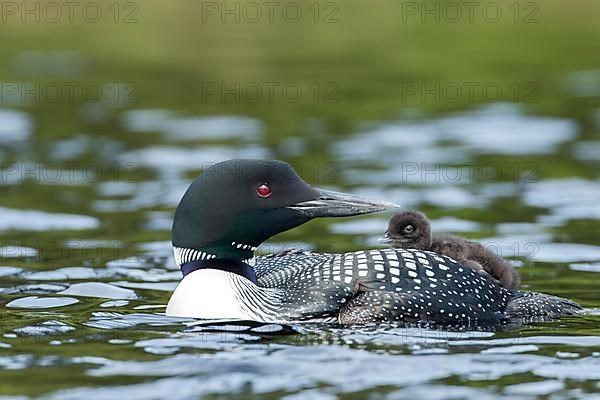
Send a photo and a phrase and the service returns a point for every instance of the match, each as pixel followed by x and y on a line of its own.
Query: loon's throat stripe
pixel 236 267
pixel 184 255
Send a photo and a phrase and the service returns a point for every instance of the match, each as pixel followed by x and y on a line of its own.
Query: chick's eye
pixel 263 190
pixel 409 228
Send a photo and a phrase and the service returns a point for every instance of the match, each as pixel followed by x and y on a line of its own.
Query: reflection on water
pixel 174 128
pixel 15 126
pixel 499 129
pixel 30 220
pixel 58 304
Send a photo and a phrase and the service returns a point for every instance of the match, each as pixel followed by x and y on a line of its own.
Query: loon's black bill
pixel 336 204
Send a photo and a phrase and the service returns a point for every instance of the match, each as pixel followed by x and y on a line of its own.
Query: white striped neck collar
pixel 184 255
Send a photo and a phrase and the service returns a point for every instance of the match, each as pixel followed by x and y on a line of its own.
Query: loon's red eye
pixel 263 190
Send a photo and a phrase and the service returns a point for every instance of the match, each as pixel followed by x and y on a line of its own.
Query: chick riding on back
pixel 412 230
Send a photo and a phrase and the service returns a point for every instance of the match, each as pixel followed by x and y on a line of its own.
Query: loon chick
pixel 237 204
pixel 412 230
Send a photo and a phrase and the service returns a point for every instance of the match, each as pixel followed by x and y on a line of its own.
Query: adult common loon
pixel 235 205
pixel 412 230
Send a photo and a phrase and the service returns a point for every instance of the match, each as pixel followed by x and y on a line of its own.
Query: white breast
pixel 207 294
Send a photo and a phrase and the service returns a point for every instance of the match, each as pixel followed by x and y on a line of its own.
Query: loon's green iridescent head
pixel 235 205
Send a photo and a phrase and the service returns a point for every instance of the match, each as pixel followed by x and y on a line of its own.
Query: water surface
pixel 89 189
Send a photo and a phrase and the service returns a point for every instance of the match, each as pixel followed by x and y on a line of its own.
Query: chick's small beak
pixel 386 238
